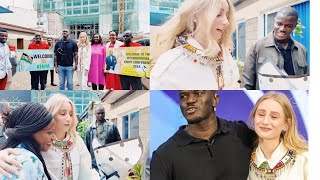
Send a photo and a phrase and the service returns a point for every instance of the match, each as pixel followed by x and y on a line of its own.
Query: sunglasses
pixel 125 36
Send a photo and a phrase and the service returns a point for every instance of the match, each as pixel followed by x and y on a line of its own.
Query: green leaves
pixel 298 30
pixel 82 128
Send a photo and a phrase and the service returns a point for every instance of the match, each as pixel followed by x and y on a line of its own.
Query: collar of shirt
pixel 276 156
pixel 194 43
pixel 2 44
pixel 182 138
pixel 290 45
pixel 270 41
pixel 94 126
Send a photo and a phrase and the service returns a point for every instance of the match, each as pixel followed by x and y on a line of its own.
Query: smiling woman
pixel 281 151
pixel 29 130
pixel 192 49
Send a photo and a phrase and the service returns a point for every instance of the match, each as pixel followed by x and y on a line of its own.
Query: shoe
pixel 53 84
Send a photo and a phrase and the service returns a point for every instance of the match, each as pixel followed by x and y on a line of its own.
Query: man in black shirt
pixel 65 56
pixel 208 148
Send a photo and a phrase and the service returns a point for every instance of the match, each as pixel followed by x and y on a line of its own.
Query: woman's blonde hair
pixel 292 139
pixel 54 104
pixel 87 43
pixel 183 22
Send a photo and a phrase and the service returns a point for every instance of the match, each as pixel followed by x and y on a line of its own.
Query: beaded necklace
pixel 65 147
pixel 217 58
pixel 266 173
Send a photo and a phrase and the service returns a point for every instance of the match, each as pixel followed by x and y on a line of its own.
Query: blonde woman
pixel 281 152
pixel 84 60
pixel 192 50
pixel 68 158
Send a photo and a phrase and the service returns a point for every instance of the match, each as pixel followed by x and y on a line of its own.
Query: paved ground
pixel 22 81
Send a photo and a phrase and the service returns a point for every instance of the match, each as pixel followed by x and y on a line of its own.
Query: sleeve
pixel 307 70
pixel 116 133
pixel 306 167
pixel 32 167
pixel 247 135
pixel 56 47
pixel 87 61
pixel 104 56
pixel 47 46
pixel 88 138
pixel 158 170
pixel 85 170
pixel 249 70
pixel 75 47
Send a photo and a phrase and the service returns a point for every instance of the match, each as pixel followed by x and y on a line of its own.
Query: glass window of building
pixel 77 11
pixel 94 1
pixel 53 6
pixel 85 2
pixel 130 125
pixel 76 2
pixel 46 5
pixel 69 11
pixel 134 124
pixel 125 127
pixel 130 6
pixel 269 21
pixel 69 3
pixel 114 7
pixel 94 9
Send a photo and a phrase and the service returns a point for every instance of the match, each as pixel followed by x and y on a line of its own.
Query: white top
pixel 80 158
pixel 179 69
pixel 5 64
pixel 299 171
pixel 116 45
pixel 84 58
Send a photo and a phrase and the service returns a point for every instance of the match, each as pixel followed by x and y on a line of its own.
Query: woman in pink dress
pixel 98 63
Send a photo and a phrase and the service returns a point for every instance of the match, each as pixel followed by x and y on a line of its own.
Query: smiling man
pixel 278 46
pixel 207 148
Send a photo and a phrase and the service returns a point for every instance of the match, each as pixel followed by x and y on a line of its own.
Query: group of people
pixel 193 49
pixel 212 148
pixel 87 60
pixel 90 62
pixel 42 141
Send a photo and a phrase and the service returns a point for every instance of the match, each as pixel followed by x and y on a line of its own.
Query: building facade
pixel 96 16
pixel 81 98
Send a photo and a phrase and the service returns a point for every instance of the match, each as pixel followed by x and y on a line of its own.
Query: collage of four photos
pixel 156 90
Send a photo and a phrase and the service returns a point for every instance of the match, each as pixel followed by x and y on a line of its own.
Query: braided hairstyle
pixel 21 123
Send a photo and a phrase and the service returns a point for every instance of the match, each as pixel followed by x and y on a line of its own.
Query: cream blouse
pixel 84 58
pixel 298 171
pixel 178 69
pixel 80 158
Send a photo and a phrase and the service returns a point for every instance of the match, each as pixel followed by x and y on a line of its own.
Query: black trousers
pixel 51 76
pixel 127 81
pixel 94 87
pixel 36 77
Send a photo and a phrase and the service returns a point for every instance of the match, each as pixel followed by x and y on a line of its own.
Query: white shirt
pixel 80 158
pixel 179 69
pixel 116 45
pixel 84 53
pixel 5 64
pixel 299 171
